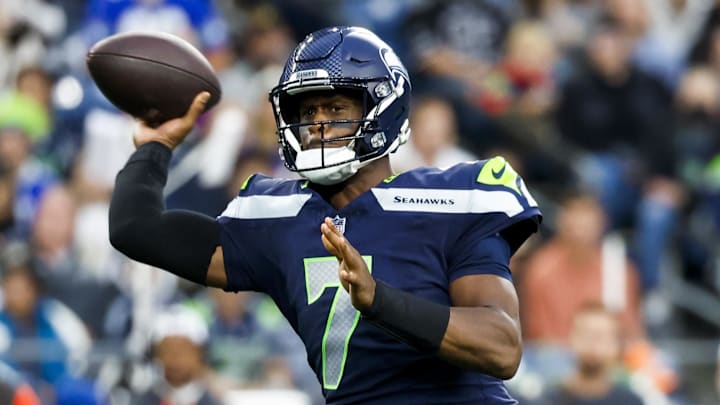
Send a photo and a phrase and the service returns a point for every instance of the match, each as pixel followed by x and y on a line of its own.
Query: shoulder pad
pixel 260 184
pixel 263 197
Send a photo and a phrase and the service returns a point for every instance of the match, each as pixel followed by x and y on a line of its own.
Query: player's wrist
pixel 366 302
pixel 153 151
pixel 417 321
pixel 161 140
pixel 376 302
pixel 167 143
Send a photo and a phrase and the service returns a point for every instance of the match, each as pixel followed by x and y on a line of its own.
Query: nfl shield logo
pixel 339 223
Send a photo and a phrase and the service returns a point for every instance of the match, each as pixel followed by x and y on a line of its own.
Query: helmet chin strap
pixel 336 173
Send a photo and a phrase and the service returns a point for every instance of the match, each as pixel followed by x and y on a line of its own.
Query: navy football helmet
pixel 343 59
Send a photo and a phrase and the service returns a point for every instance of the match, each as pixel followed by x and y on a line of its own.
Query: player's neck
pixel 342 194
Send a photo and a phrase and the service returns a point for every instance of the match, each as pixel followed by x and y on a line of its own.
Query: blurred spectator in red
pixel 520 92
pixel 573 268
pixel 434 140
pixel 179 343
pixel 595 340
pixel 621 118
pixel 523 77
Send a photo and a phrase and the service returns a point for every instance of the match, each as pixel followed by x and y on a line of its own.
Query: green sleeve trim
pixel 390 178
pixel 247 180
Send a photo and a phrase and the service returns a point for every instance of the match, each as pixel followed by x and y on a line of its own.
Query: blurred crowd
pixel 610 110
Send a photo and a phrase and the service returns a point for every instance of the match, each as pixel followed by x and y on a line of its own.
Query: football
pixel 151 76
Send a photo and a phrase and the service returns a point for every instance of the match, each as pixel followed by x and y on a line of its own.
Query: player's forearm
pixel 137 195
pixel 485 339
pixel 480 338
pixel 181 242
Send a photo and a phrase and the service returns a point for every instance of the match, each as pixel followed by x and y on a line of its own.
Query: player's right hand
pixel 172 132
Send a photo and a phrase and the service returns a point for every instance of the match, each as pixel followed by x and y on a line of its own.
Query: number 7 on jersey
pixel 322 273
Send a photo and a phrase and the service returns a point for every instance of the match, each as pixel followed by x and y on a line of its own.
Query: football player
pixel 398 284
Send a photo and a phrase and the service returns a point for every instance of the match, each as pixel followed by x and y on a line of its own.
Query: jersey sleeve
pixel 484 255
pixel 239 251
pixel 501 217
pixel 239 270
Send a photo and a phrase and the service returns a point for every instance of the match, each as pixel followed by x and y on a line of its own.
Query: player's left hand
pixel 352 271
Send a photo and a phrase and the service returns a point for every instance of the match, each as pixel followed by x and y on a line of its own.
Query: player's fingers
pixel 345 248
pixel 141 133
pixel 332 226
pixel 197 107
pixel 138 129
pixel 335 236
pixel 329 246
pixel 347 276
pixel 351 277
pixel 342 275
pixel 331 233
pixel 334 241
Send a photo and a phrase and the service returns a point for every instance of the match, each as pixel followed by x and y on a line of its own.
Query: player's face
pixel 328 106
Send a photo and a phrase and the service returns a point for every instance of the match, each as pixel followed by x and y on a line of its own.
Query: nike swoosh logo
pixel 498 174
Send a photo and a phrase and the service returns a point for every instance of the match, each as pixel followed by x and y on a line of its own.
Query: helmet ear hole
pixel 363 146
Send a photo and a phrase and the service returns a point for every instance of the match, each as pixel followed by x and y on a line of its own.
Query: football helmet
pixel 342 59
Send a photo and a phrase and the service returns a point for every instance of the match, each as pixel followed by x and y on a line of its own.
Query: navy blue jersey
pixel 417 231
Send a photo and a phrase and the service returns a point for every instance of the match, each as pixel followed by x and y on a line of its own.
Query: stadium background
pixel 610 110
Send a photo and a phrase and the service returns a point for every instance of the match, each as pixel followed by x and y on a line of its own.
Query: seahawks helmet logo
pixel 393 64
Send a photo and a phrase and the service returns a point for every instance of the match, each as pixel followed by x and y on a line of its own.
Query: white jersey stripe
pixel 265 206
pixel 448 201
